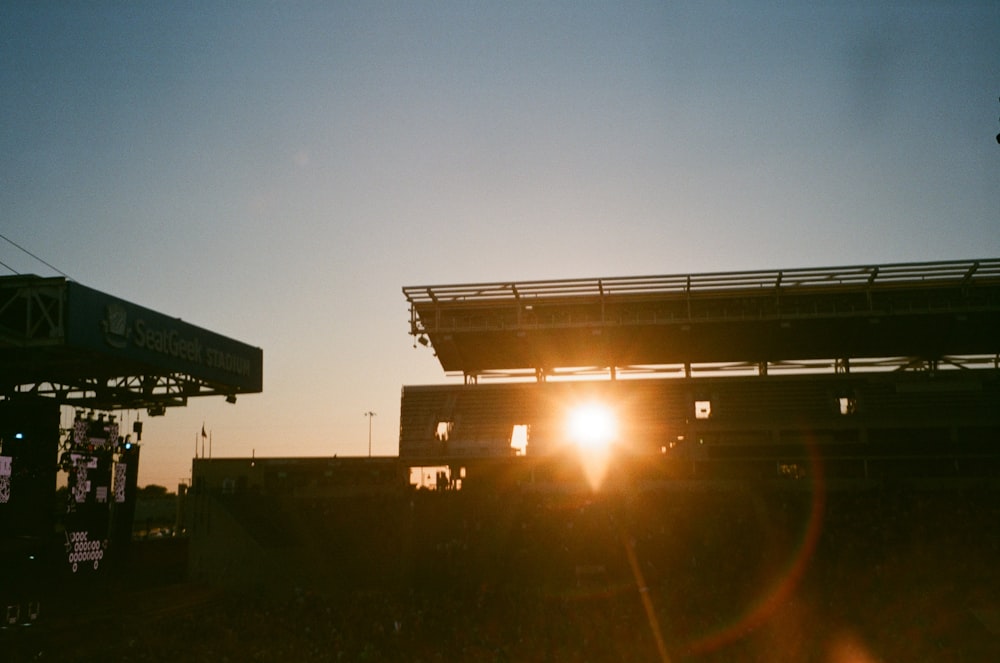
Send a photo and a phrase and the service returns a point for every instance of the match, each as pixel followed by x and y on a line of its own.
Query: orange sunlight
pixel 593 428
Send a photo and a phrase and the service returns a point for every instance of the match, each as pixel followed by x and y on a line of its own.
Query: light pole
pixel 370 415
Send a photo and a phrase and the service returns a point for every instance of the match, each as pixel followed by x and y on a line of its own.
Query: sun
pixel 592 428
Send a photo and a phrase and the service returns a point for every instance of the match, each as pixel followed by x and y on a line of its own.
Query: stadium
pixel 795 464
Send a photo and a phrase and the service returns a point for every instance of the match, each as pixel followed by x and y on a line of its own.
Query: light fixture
pixel 231 399
pixel 423 341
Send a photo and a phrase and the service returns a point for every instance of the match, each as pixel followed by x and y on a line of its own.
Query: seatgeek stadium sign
pixel 126 331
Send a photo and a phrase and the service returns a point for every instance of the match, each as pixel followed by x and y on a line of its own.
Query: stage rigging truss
pixel 85 348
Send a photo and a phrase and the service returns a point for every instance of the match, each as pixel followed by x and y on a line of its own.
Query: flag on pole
pixel 203 433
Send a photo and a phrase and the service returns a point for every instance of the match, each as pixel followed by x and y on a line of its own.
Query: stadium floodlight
pixel 370 416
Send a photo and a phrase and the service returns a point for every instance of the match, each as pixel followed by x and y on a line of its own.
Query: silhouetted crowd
pixel 739 574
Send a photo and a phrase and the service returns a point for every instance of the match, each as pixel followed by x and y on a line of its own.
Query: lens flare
pixel 593 429
pixel 592 426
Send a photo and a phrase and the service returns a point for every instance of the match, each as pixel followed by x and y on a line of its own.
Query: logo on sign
pixel 115 326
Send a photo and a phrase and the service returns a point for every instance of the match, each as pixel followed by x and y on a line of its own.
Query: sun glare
pixel 591 426
pixel 593 429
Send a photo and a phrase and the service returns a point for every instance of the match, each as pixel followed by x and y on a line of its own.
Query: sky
pixel 277 172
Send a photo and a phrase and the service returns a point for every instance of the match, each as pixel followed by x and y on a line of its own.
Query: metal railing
pixel 956 273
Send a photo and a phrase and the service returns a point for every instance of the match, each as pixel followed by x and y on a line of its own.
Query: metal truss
pixel 32 312
pixel 154 393
pixel 36 358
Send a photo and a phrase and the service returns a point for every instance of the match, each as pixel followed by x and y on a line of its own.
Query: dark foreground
pixel 715 577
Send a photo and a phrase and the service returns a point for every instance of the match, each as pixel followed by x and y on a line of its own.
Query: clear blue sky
pixel 276 172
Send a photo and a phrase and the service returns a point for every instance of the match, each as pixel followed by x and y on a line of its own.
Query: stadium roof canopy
pixel 928 311
pixel 82 347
